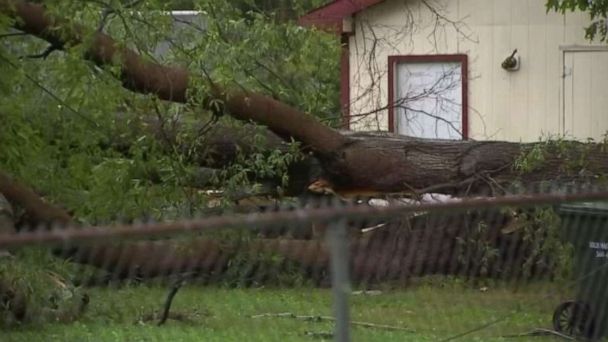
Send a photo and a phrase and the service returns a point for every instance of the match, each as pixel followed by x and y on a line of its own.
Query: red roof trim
pixel 330 16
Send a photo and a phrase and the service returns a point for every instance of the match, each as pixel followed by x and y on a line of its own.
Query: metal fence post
pixel 338 243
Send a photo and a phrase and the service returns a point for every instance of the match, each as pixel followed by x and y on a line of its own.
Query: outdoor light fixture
pixel 512 62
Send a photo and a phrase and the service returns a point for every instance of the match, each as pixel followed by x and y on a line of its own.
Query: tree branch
pixel 173 83
pixel 38 211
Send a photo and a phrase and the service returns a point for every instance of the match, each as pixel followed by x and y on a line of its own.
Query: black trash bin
pixel 585 225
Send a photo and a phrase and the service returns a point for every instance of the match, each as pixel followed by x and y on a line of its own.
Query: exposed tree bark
pixel 460 167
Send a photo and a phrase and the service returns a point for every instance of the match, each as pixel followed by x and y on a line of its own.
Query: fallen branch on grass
pixel 332 319
pixel 179 282
pixel 183 317
pixel 541 332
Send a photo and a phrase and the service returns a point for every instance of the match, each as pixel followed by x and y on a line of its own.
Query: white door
pixel 428 101
pixel 585 94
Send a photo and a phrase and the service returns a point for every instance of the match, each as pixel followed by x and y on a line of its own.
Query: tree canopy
pixel 597 10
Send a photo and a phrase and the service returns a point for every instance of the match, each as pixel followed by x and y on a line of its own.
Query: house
pixel 449 69
pixel 186 25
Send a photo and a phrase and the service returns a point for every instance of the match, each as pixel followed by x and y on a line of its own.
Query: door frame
pixel 457 58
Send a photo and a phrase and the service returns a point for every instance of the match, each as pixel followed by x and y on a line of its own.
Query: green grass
pixel 435 310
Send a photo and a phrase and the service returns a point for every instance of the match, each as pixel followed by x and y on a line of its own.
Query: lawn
pixel 433 309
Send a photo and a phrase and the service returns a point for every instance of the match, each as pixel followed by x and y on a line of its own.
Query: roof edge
pixel 330 16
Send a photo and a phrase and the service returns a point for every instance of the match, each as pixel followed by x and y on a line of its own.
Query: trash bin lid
pixel 585 208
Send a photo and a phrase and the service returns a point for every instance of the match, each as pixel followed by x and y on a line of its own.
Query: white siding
pixel 516 106
pixel 585 90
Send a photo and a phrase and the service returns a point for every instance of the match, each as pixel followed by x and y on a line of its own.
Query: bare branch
pixel 13 34
pixel 46 52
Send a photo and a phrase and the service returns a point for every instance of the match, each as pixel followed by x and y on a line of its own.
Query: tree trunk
pixel 392 163
pixel 424 245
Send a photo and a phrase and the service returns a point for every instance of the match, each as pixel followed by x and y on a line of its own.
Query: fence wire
pixel 529 266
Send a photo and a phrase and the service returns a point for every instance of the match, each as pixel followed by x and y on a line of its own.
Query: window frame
pixel 454 58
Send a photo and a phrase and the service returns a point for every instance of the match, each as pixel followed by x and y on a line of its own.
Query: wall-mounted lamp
pixel 512 62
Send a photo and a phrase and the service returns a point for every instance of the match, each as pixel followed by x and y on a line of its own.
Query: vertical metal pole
pixel 338 243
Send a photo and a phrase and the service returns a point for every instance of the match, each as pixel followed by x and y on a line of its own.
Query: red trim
pixel 329 17
pixel 391 93
pixel 345 81
pixel 465 97
pixel 460 58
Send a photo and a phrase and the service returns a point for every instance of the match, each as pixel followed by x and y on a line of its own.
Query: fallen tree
pixel 407 165
pixel 371 164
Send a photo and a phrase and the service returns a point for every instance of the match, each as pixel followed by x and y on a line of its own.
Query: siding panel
pixel 535 62
pixel 518 106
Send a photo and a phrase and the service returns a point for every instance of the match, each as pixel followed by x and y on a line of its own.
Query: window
pixel 427 96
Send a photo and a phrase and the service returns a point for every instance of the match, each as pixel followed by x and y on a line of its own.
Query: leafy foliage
pixel 542 232
pixel 530 160
pixel 280 9
pixel 543 250
pixel 597 10
pixel 475 247
pixel 72 132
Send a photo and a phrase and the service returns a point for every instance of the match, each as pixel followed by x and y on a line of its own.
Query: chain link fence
pixel 530 266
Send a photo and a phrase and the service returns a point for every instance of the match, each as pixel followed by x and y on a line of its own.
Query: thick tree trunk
pixel 430 245
pixel 391 163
